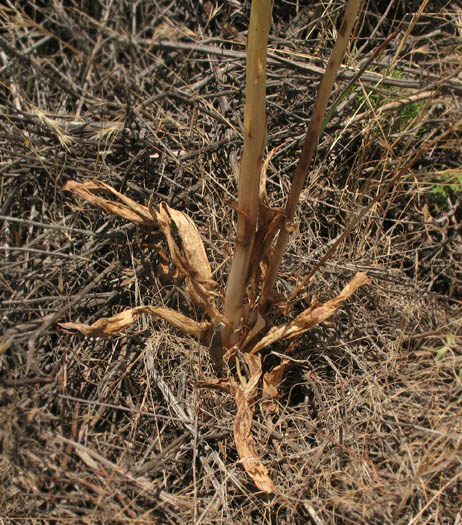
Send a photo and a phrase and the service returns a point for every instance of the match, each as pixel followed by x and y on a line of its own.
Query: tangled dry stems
pixel 369 428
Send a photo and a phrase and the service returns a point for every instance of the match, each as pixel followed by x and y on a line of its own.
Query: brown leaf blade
pixel 118 323
pixel 271 382
pixel 246 445
pixel 192 245
pixel 103 327
pixel 127 208
pixel 312 316
pixel 225 384
pixel 188 254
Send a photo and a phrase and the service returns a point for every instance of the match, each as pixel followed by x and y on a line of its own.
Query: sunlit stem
pixel 311 142
pixel 251 163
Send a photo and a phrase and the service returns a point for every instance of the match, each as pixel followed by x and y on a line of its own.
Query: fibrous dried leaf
pixel 118 323
pixel 312 316
pixel 127 208
pixel 267 213
pixel 245 445
pixel 225 384
pixel 269 222
pixel 192 245
pixel 271 382
pixel 243 423
pixel 255 370
pixel 189 257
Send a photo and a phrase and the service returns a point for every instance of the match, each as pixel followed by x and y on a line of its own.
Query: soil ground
pixel 147 96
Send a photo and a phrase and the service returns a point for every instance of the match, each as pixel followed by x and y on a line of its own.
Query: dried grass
pixel 369 427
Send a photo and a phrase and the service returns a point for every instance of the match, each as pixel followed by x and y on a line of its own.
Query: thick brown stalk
pixel 311 142
pixel 251 163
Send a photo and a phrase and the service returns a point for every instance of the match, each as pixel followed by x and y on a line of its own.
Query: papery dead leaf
pixel 118 323
pixel 246 445
pixel 189 257
pixel 166 274
pixel 271 382
pixel 127 208
pixel 225 384
pixel 312 316
pixel 255 370
pixel 262 249
pixel 243 423
pixel 192 245
pixel 270 220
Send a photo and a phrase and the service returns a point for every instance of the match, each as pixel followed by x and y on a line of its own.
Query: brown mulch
pixel 147 96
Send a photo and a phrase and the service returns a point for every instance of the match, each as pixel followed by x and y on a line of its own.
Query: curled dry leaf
pixel 118 323
pixel 189 257
pixel 269 222
pixel 269 218
pixel 271 382
pixel 312 316
pixel 255 370
pixel 225 384
pixel 245 444
pixel 243 423
pixel 127 208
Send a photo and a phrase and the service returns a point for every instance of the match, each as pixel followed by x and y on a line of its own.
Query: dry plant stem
pixel 251 163
pixel 376 53
pixel 409 29
pixel 311 141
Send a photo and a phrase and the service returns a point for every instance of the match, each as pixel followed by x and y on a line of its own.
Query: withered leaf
pixel 245 443
pixel 127 208
pixel 118 323
pixel 189 256
pixel 243 423
pixel 271 382
pixel 312 316
pixel 225 384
